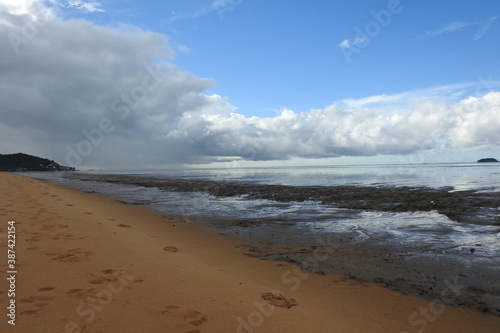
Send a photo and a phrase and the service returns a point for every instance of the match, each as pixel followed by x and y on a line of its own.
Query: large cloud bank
pixel 90 95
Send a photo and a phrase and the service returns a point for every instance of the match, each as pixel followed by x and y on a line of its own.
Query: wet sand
pixel 90 264
pixel 420 269
pixel 424 275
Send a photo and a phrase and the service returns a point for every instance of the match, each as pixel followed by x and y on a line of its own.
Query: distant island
pixel 489 159
pixel 25 162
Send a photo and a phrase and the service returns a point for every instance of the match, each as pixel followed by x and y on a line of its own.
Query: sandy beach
pixel 85 263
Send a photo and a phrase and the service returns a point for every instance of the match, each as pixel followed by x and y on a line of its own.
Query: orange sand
pixel 90 264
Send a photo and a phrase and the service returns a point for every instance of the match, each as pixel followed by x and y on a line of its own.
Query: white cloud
pixel 337 131
pixel 370 101
pixel 457 26
pixel 72 78
pixel 345 44
pixel 485 28
pixel 220 7
pixel 190 15
pixel 405 100
pixel 18 7
pixel 31 9
pixel 348 43
pixel 183 49
pixel 447 28
pixel 66 75
pixel 86 6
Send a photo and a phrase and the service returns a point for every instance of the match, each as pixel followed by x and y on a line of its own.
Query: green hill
pixel 24 162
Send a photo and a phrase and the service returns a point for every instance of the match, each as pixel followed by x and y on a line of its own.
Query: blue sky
pixel 268 55
pixel 253 80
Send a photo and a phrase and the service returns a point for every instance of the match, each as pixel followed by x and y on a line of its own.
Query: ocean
pixel 441 219
pixel 313 214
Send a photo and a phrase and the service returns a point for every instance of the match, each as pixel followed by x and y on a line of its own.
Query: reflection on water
pixel 424 241
pixel 430 232
pixel 427 231
pixel 463 176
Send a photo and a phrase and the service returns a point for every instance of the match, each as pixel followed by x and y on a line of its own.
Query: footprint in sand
pixel 28 313
pixel 278 299
pixel 185 318
pixel 100 280
pixel 65 235
pixel 33 239
pixel 74 255
pixel 95 279
pixel 49 227
pixel 81 293
pixel 171 249
pixel 110 275
pixel 36 302
pixel 109 271
pixel 41 298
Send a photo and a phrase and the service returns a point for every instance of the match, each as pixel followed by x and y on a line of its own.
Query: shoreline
pixel 460 206
pixel 440 249
pixel 90 263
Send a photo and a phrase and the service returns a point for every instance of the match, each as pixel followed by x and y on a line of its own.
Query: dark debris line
pixel 460 206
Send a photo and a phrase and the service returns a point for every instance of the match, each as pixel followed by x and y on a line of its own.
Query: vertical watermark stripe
pixel 11 272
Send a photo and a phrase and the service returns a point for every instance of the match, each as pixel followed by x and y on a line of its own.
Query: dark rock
pixel 488 159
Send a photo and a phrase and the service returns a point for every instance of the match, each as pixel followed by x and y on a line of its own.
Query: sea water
pixel 427 230
pixel 426 241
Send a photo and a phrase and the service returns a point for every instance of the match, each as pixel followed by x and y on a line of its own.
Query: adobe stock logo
pixel 363 37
